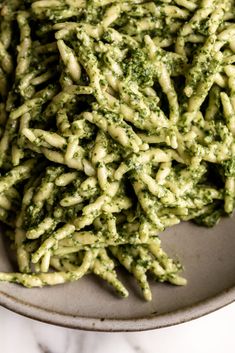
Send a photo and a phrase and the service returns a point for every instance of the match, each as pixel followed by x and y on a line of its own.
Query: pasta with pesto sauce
pixel 117 121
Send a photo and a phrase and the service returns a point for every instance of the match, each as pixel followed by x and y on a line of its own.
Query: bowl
pixel 90 304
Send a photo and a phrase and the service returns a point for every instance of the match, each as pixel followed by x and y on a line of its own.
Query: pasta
pixel 117 120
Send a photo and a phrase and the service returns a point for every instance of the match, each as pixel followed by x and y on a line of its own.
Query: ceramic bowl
pixel 209 262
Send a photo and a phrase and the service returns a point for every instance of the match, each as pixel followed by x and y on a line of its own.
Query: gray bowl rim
pixel 180 316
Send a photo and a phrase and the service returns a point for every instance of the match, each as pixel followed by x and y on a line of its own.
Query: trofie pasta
pixel 117 120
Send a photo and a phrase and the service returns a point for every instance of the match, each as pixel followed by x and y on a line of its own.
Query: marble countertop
pixel 211 333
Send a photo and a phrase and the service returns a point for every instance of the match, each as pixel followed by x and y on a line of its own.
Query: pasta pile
pixel 117 121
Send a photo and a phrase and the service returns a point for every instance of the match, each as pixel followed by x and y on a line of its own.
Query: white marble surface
pixel 211 333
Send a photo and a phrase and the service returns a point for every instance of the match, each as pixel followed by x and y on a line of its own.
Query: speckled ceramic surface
pixel 208 257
